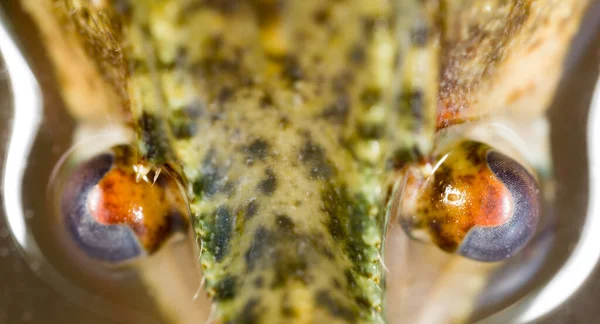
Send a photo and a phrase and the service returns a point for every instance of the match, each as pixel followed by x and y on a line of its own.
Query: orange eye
pixel 476 202
pixel 113 217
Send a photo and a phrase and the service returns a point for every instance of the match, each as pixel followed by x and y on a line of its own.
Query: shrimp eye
pixel 476 202
pixel 111 216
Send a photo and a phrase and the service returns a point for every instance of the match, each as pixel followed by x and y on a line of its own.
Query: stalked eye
pixel 476 202
pixel 112 216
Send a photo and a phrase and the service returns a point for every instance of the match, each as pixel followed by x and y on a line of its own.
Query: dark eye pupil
pixel 101 242
pixel 112 217
pixel 477 202
pixel 490 244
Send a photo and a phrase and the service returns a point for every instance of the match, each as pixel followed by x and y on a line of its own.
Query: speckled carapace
pixel 290 121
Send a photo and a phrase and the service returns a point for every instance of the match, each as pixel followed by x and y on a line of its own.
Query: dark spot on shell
pixel 266 101
pixel 215 43
pixel 182 125
pixel 153 137
pixel 324 299
pixel 338 111
pixel 214 67
pixel 327 252
pixel 292 70
pixel 397 59
pixel 268 185
pixel 269 12
pixel 412 102
pixel 284 223
pixel 420 34
pixel 195 109
pixel 368 25
pixel 321 16
pixel 363 302
pixel 399 158
pixel 350 281
pixel 284 122
pixel 370 130
pixel 259 282
pixel 213 179
pixel 210 184
pixel 85 14
pixel 357 249
pixel 181 57
pixel 223 6
pixel 370 96
pixel 138 66
pixel 261 243
pixel 335 209
pixel 222 233
pixel 473 153
pixel 251 209
pixel 282 251
pixel 250 313
pixel 198 186
pixel 257 150
pixel 122 7
pixel 313 156
pixel 224 95
pixel 442 177
pixel 226 289
pixel 336 284
pixel 335 228
pixel 341 81
pixel 357 54
pixel 287 310
pixel 228 188
pixel 290 267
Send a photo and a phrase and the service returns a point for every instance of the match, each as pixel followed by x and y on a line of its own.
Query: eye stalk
pixel 113 217
pixel 476 202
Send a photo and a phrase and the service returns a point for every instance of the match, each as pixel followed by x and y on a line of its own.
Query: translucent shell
pixel 111 215
pixel 475 201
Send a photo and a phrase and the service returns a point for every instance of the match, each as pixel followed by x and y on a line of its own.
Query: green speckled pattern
pixel 280 114
pixel 277 112
pixel 289 121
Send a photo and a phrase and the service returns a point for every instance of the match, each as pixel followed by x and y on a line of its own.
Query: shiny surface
pixel 474 201
pixel 99 240
pixel 114 216
pixel 499 241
